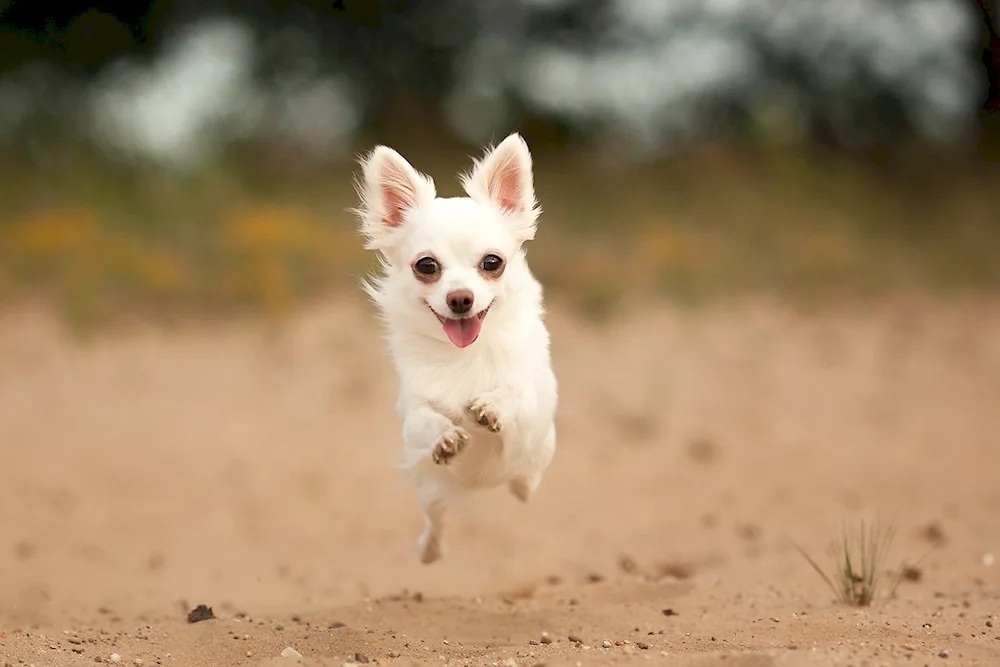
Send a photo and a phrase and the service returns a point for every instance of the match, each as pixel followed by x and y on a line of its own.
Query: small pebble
pixel 546 639
pixel 200 613
pixel 989 624
pixel 643 645
pixel 115 657
pixel 944 653
pixel 575 639
pixel 289 652
pixel 606 644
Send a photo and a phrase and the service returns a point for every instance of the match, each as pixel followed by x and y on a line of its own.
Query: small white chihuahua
pixel 477 394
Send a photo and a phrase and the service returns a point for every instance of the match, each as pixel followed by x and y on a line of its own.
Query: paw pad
pixel 449 445
pixel 485 414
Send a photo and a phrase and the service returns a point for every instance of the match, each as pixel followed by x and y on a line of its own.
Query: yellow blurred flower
pixel 261 228
pixel 53 232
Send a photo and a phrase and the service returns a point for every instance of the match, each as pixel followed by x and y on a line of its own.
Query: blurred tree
pixel 650 74
pixel 991 53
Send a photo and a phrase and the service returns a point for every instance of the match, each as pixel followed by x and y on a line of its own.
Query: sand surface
pixel 153 469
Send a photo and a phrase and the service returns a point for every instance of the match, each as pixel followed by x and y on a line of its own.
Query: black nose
pixel 460 301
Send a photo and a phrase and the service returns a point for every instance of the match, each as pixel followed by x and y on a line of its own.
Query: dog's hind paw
pixel 522 488
pixel 430 548
pixel 449 445
pixel 485 413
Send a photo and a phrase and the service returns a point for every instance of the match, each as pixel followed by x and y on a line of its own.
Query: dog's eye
pixel 491 263
pixel 426 266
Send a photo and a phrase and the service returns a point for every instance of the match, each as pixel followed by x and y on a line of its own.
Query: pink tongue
pixel 463 332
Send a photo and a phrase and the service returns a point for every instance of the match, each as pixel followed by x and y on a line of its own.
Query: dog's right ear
pixel 389 190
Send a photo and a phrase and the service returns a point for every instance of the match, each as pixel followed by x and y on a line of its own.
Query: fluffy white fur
pixel 479 416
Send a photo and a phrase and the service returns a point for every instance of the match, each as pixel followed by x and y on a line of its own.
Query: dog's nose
pixel 460 301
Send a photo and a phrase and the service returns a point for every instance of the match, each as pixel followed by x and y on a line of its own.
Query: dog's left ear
pixel 503 178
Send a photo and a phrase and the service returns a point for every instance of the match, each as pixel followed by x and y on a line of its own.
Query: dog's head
pixel 448 261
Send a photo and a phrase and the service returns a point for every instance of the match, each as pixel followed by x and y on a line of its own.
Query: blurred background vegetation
pixel 161 157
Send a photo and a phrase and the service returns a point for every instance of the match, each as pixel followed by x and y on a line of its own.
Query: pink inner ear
pixel 505 185
pixel 399 193
pixel 395 204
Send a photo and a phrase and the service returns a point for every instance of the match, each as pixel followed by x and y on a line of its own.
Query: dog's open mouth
pixel 463 332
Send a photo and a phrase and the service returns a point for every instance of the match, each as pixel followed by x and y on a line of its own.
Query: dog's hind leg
pixel 523 486
pixel 430 544
pixel 431 441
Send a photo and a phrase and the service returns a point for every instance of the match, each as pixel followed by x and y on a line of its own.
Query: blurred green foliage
pixel 263 232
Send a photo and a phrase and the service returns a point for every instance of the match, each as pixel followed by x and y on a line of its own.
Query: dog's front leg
pixel 425 429
pixel 505 410
pixel 486 410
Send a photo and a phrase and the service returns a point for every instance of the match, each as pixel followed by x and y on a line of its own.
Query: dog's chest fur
pixel 447 378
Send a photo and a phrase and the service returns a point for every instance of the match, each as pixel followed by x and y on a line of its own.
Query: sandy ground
pixel 151 470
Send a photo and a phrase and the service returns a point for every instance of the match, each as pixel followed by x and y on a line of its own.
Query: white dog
pixel 477 394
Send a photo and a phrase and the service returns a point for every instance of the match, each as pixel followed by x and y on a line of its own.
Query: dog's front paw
pixel 485 413
pixel 449 445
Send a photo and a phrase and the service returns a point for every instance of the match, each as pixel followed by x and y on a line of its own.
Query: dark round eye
pixel 491 263
pixel 426 266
